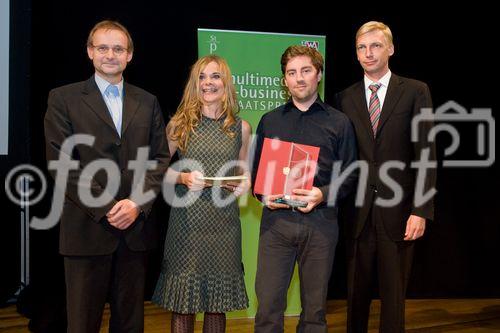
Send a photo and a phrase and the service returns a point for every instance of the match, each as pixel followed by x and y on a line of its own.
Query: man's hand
pixel 313 198
pixel 268 200
pixel 123 214
pixel 415 227
pixel 193 180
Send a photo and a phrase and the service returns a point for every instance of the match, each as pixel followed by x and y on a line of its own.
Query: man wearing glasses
pixel 105 244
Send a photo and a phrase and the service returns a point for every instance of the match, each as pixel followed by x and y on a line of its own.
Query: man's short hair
pixel 110 25
pixel 373 26
pixel 300 50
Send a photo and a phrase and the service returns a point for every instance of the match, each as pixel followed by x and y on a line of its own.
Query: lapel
pixel 359 100
pixel 93 98
pixel 130 105
pixel 394 92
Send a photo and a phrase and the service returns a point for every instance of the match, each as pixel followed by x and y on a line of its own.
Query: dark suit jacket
pixel 79 108
pixel 404 99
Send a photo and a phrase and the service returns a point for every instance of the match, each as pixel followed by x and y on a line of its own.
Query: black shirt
pixel 321 126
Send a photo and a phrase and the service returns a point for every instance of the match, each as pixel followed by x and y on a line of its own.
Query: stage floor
pixel 423 315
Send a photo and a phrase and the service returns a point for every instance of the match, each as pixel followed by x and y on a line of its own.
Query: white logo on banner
pixel 213 43
pixel 311 43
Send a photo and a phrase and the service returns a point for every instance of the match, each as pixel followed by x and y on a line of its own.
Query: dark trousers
pixel 281 244
pixel 373 254
pixel 91 280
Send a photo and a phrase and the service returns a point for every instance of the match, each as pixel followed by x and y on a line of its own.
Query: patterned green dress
pixel 202 269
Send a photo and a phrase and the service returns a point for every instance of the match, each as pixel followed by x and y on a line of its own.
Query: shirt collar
pixel 103 84
pixel 384 81
pixel 317 105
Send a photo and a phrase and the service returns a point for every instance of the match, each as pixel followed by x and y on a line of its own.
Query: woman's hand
pixel 193 181
pixel 238 188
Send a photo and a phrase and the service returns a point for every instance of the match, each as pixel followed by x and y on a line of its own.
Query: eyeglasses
pixel 103 49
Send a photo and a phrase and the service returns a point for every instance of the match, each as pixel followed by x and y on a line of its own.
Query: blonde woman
pixel 202 269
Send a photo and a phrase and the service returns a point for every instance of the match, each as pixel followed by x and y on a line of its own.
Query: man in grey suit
pixel 105 245
pixel 381 239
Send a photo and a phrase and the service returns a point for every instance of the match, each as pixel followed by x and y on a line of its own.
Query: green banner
pixel 254 59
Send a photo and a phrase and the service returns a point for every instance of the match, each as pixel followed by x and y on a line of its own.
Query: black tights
pixel 212 323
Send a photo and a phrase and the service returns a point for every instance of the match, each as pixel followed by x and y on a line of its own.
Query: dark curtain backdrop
pixel 452 50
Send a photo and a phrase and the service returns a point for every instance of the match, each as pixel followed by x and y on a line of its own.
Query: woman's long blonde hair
pixel 188 114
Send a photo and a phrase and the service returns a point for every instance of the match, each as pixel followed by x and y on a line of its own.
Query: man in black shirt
pixel 306 235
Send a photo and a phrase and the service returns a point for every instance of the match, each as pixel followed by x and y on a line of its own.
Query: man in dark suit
pixel 382 236
pixel 104 244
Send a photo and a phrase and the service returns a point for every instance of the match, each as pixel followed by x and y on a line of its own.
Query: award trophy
pixel 283 167
pixel 296 173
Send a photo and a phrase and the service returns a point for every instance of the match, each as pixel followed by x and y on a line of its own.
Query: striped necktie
pixel 374 108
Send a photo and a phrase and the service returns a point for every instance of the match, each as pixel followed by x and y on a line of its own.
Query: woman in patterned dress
pixel 202 269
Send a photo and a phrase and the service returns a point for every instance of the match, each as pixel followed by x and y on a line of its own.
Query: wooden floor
pixel 436 315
